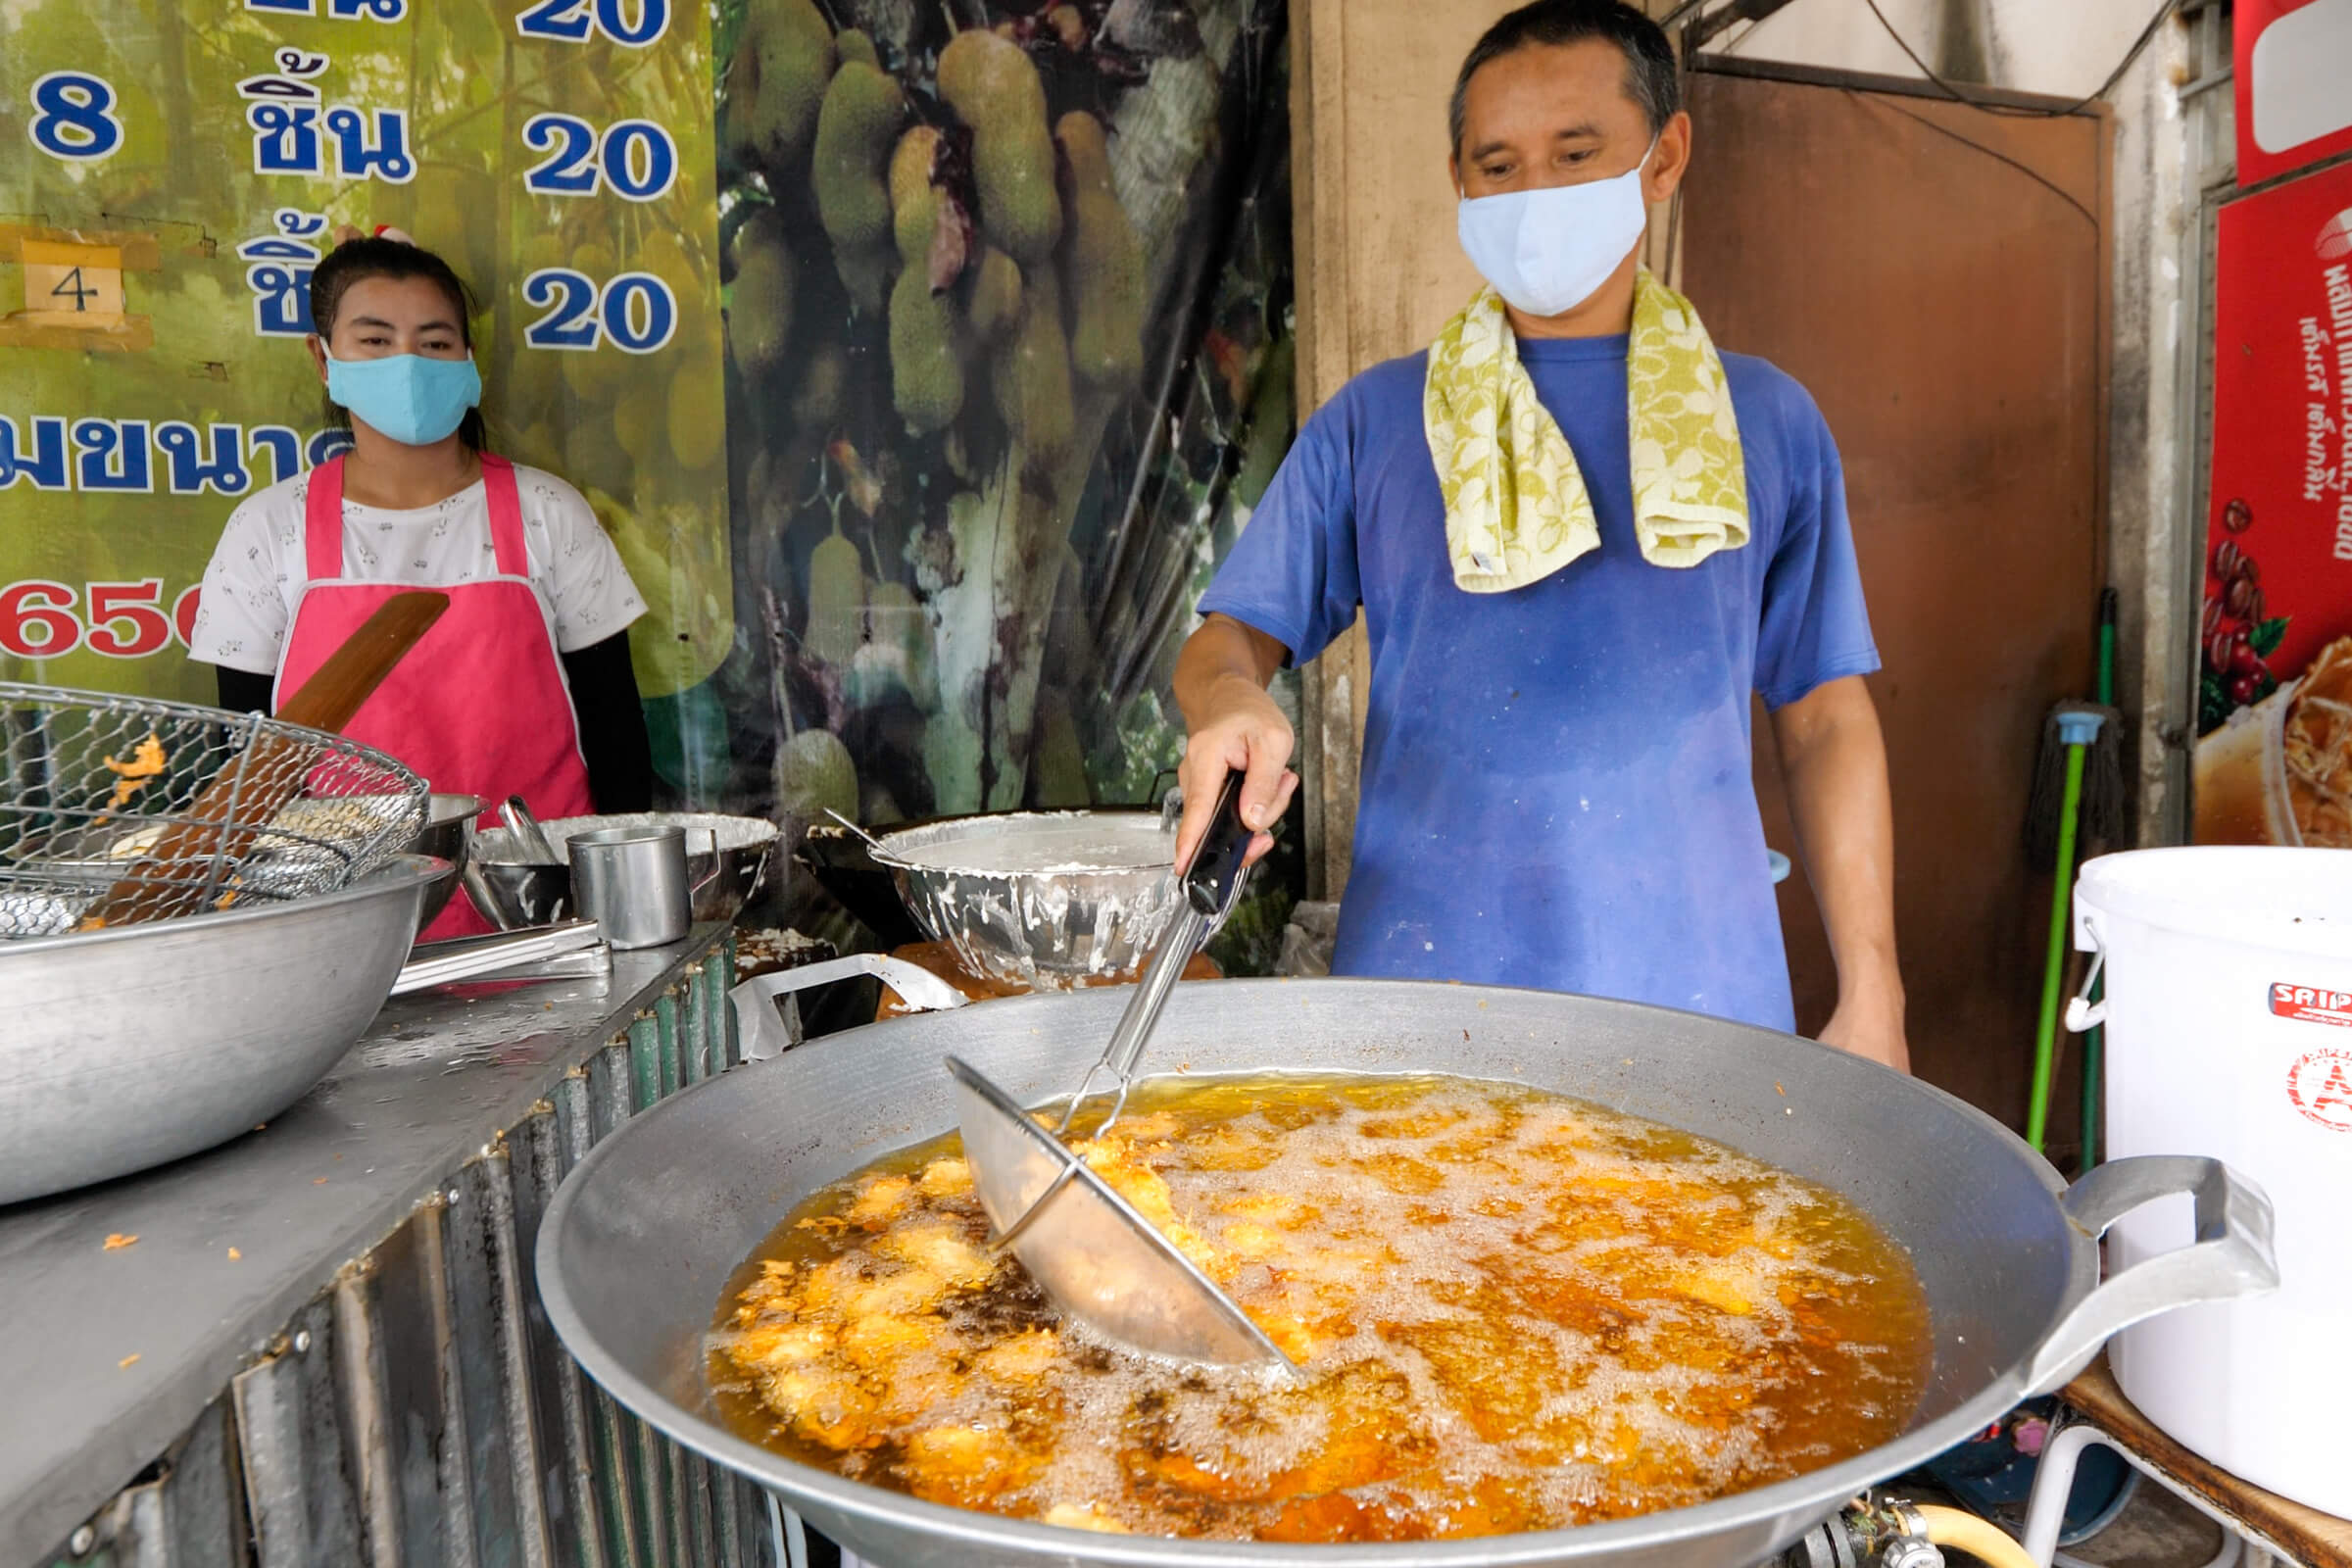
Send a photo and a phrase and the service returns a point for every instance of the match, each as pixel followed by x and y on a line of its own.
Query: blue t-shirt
pixel 1557 788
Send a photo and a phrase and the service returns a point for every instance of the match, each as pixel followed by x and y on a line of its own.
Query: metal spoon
pixel 872 843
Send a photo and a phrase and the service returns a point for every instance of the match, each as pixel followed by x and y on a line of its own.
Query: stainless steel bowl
pixel 443 837
pixel 646 1232
pixel 745 846
pixel 134 1046
pixel 1041 900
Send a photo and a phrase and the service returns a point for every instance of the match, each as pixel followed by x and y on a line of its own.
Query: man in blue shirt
pixel 1556 780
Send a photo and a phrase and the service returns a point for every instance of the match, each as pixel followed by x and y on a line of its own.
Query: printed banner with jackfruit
pixel 1008 304
pixel 1005 364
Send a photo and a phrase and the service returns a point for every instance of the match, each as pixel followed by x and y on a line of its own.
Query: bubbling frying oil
pixel 1514 1311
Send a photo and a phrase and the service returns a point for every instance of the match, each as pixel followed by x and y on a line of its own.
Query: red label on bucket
pixel 2319 1086
pixel 2309 1004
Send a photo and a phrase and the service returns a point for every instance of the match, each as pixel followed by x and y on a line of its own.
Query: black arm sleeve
pixel 613 740
pixel 242 691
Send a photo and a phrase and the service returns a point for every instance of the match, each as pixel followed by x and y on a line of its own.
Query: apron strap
pixel 323 522
pixel 505 517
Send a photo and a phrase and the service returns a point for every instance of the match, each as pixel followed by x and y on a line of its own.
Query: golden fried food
pixel 130 777
pixel 1514 1311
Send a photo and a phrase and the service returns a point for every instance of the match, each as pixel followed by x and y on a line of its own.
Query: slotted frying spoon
pixel 1100 1262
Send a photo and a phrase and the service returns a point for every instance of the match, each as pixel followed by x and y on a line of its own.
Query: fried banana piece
pixel 1270 1208
pixel 774 1347
pixel 829 1284
pixel 881 1342
pixel 1726 1289
pixel 965 1466
pixel 908 1292
pixel 944 1177
pixel 1226 1148
pixel 941 1247
pixel 878 1201
pixel 823 1405
pixel 1025 1358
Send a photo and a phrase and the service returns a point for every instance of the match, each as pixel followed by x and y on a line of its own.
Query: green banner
pixel 171 172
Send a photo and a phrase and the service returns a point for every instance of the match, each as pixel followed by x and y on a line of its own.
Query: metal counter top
pixel 108 1354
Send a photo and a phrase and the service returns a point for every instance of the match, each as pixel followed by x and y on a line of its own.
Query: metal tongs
pixel 528 836
pixel 1103 1262
pixel 567 949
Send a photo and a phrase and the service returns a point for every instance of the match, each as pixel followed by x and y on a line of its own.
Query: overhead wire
pixel 2146 35
pixel 1882 101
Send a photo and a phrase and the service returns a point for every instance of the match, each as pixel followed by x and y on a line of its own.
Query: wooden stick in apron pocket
pixel 258 781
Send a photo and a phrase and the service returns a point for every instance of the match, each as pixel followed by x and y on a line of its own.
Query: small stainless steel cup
pixel 632 882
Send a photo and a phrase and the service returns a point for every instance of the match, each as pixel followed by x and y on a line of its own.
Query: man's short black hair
pixel 1652 77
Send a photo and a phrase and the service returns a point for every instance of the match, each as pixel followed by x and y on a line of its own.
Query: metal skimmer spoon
pixel 1102 1262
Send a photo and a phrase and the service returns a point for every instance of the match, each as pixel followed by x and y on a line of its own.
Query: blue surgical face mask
pixel 413 400
pixel 1548 251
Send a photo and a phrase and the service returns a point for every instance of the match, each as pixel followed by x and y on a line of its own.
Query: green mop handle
pixel 2093 1065
pixel 2076 731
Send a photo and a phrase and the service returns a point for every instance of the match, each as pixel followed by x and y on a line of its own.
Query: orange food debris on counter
pixel 1778 1090
pixel 126 1361
pixel 318 1181
pixel 115 1241
pixel 234 1254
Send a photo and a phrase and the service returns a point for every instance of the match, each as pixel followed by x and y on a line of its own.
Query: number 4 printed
pixel 72 284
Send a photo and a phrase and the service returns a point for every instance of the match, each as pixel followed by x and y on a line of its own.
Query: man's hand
pixel 1869 1022
pixel 1234 727
pixel 1835 759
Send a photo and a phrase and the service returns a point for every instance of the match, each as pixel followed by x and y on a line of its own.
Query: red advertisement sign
pixel 2310 1005
pixel 2293 58
pixel 2274 758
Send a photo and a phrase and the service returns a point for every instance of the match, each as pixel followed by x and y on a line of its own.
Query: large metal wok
pixel 125 1048
pixel 641 1240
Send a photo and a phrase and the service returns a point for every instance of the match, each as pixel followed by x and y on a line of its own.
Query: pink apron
pixel 479 706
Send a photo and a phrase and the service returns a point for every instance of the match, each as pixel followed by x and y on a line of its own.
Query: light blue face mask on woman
pixel 413 400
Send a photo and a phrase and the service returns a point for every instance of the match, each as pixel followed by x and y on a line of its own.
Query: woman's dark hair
pixel 377 257
pixel 1652 76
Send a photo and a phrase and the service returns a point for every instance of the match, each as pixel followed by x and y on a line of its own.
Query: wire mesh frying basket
pixel 190 810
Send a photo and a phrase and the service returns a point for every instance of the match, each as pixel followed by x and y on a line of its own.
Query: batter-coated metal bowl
pixel 643 1236
pixel 448 820
pixel 125 1048
pixel 1056 922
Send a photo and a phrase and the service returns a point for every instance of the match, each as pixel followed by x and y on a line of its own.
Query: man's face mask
pixel 1548 251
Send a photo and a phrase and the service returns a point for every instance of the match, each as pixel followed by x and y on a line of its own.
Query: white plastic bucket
pixel 2228 1018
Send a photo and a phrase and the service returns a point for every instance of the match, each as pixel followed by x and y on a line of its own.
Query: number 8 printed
pixel 73 116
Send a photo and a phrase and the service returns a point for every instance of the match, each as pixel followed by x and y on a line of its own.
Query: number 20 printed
pixel 572 20
pixel 636 159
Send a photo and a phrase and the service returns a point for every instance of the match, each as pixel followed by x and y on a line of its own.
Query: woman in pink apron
pixel 523 686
